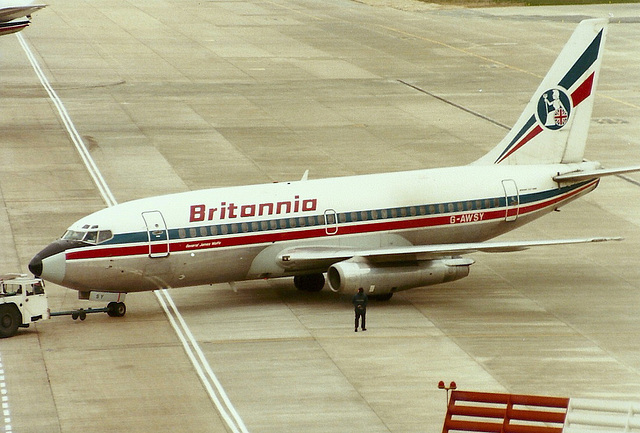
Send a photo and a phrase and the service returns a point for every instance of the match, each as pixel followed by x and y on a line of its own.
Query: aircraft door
pixel 512 199
pixel 331 222
pixel 158 234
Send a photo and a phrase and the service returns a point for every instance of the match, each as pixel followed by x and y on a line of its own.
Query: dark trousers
pixel 361 314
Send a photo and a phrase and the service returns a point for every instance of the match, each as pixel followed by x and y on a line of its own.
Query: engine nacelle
pixel 377 279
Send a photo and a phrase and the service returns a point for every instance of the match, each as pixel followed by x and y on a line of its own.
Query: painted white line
pixel 205 373
pixel 6 412
pixel 71 129
pixel 225 407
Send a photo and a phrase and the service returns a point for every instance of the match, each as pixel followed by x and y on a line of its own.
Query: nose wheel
pixel 116 309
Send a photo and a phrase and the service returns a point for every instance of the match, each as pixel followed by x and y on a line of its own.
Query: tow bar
pixel 113 309
pixel 80 313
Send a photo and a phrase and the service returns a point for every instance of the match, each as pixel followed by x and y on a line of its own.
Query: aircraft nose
pixel 50 262
pixel 35 266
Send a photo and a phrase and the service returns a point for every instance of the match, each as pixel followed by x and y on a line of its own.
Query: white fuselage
pixel 236 233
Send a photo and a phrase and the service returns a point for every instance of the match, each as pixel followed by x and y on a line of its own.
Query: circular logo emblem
pixel 554 109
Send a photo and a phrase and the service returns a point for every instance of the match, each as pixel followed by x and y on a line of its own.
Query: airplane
pixel 383 232
pixel 15 16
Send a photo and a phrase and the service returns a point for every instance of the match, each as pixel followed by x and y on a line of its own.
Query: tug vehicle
pixel 22 302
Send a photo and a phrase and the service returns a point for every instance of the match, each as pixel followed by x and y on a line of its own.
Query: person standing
pixel 359 302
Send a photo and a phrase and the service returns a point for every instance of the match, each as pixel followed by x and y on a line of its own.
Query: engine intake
pixel 381 279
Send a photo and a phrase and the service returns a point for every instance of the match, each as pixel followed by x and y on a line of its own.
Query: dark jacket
pixel 359 302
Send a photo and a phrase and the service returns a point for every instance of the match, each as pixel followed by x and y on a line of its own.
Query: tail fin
pixel 553 127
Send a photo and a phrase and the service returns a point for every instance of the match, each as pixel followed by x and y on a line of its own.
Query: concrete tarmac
pixel 175 96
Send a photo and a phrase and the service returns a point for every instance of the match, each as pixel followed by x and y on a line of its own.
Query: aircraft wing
pixel 302 258
pixel 13 26
pixel 12 12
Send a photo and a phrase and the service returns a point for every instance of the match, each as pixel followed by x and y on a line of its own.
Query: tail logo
pixel 554 109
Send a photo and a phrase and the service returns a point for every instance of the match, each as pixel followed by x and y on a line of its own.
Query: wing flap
pixel 302 258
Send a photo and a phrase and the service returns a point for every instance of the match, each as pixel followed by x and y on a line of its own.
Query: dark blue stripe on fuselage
pixel 232 228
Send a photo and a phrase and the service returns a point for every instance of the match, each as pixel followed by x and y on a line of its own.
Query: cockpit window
pixel 92 237
pixel 104 235
pixel 71 235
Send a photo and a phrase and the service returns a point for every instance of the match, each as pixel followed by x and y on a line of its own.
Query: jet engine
pixel 386 278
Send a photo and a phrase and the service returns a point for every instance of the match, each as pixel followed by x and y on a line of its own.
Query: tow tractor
pixel 23 301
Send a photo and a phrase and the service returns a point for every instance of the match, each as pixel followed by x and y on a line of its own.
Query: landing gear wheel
pixel 10 320
pixel 116 309
pixel 309 283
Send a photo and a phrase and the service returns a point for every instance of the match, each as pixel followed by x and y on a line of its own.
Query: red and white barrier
pixel 504 413
pixel 602 416
pixel 469 411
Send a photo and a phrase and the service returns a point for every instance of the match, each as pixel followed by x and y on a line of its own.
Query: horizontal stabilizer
pixel 576 176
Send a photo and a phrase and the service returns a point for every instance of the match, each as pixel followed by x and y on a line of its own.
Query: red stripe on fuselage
pixel 317 232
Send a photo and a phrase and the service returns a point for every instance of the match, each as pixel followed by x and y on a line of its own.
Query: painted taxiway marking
pixel 6 412
pixel 489 59
pixel 205 372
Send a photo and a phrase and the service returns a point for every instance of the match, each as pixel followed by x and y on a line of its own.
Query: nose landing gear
pixel 116 309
